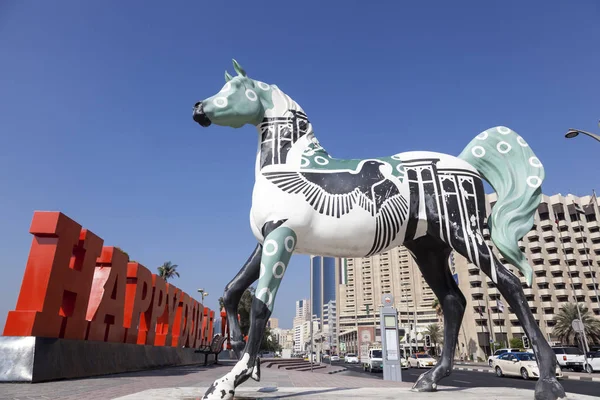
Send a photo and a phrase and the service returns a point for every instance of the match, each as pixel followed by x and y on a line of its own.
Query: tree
pixel 435 333
pixel 244 307
pixel 438 308
pixel 269 342
pixel 516 343
pixel 168 270
pixel 564 331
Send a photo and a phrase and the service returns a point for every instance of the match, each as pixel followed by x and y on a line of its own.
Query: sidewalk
pixel 190 382
pixel 329 393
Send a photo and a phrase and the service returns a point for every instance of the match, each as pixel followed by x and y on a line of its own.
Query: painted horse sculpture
pixel 306 201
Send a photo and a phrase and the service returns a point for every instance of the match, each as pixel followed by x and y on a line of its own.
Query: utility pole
pixel 562 245
pixel 310 307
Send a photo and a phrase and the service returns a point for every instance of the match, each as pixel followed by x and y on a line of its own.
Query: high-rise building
pixel 565 258
pixel 324 284
pixel 363 280
pixel 273 323
pixel 299 326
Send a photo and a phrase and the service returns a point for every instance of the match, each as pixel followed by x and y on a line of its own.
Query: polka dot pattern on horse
pixel 277 251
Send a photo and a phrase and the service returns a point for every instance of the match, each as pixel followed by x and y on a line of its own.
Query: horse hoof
pixel 256 370
pixel 549 389
pixel 424 384
pixel 221 389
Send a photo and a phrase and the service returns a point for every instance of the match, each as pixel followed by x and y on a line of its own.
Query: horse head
pixel 241 101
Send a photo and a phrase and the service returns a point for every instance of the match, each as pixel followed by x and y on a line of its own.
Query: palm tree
pixel 168 270
pixel 438 308
pixel 563 329
pixel 435 333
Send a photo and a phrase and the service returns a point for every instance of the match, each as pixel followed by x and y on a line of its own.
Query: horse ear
pixel 238 68
pixel 227 77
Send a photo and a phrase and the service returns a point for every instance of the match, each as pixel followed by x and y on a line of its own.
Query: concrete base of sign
pixel 36 359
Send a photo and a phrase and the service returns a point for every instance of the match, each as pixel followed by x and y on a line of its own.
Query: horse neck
pixel 284 133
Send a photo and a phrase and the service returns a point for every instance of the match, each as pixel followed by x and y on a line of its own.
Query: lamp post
pixel 571 133
pixel 203 294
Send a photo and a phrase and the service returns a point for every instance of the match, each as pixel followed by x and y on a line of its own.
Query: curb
pixel 565 377
pixel 337 371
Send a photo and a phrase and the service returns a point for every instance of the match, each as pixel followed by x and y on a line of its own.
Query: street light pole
pixel 586 349
pixel 203 294
pixel 571 133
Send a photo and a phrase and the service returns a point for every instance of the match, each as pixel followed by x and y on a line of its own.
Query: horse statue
pixel 306 201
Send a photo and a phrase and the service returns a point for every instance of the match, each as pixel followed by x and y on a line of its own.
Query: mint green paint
pixel 316 158
pixel 241 101
pixel 278 247
pixel 507 162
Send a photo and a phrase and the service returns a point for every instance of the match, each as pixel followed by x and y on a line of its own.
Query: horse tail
pixel 509 165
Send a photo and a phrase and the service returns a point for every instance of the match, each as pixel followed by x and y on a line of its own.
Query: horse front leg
pixel 276 253
pixel 233 293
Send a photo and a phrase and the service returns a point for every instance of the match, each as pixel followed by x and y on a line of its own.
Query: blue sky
pixel 96 101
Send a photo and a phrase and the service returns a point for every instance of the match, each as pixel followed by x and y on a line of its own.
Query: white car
pixel 569 357
pixel 519 364
pixel 335 358
pixel 421 360
pixel 403 363
pixel 592 362
pixel 498 353
pixel 351 358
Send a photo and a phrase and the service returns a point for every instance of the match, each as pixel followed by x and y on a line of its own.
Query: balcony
pixel 593 225
pixel 591 281
pixel 545 292
pixel 537 256
pixel 517 329
pixel 549 317
pixel 542 279
pixel 546 222
pixel 493 291
pixel 561 292
pixel 554 267
pixel 584 258
pixel 477 290
pixel 535 245
pixel 551 245
pixel 547 304
pixel 531 304
pixel 538 267
pixel 595 235
pixel 528 291
pixel 475 278
pixel 579 292
pixel 499 329
pixel 558 280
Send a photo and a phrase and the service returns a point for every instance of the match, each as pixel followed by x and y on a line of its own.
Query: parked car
pixel 592 362
pixel 351 358
pixel 374 361
pixel 498 353
pixel 403 363
pixel 421 360
pixel 519 364
pixel 569 357
pixel 335 357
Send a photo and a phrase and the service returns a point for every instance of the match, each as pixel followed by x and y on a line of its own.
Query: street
pixel 476 379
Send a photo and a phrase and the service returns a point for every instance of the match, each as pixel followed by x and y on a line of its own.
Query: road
pixel 477 379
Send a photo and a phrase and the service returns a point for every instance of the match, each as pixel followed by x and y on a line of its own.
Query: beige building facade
pixel 565 258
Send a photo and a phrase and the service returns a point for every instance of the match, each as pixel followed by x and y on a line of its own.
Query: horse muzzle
pixel 199 116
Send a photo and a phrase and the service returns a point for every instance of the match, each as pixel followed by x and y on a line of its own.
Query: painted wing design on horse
pixel 336 193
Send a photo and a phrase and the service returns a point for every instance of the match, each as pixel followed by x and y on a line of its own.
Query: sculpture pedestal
pixel 36 359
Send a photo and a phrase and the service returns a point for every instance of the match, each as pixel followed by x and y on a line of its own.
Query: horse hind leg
pixel 233 293
pixel 509 286
pixel 547 387
pixel 432 255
